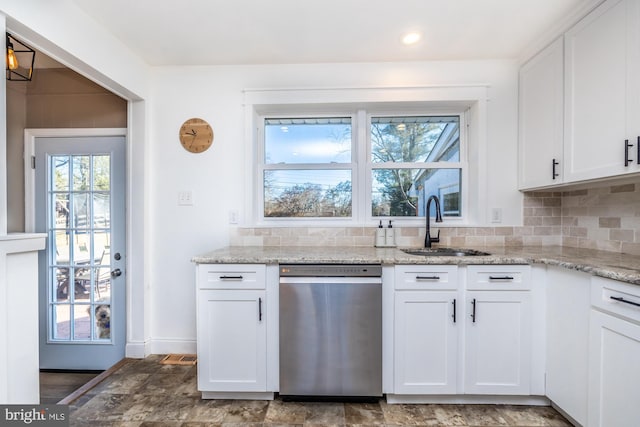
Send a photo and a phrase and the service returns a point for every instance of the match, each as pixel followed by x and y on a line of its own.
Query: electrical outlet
pixel 185 198
pixel 496 215
pixel 233 216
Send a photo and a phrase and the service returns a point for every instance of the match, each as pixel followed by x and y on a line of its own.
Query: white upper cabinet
pixel 602 88
pixel 541 98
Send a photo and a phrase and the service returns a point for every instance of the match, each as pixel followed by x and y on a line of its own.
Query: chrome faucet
pixel 428 240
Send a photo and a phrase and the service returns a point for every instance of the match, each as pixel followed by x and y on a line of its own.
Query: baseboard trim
pixel 169 345
pixel 237 395
pixel 468 399
pixel 137 350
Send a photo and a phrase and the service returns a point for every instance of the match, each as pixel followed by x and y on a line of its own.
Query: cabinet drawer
pixel 413 277
pixel 231 276
pixel 499 277
pixel 616 297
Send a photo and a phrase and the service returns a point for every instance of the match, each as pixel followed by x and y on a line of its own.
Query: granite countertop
pixel 611 265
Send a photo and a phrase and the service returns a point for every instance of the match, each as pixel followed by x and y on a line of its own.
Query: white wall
pixel 217 176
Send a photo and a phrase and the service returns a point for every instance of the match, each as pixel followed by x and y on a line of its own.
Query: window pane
pixel 60 172
pixel 307 193
pixel 307 140
pixel 81 173
pixel 415 139
pixel 403 192
pixel 101 172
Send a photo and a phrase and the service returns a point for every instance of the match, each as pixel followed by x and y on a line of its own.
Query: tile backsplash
pixel 605 218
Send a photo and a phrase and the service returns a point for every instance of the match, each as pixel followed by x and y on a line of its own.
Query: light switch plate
pixel 185 198
pixel 496 215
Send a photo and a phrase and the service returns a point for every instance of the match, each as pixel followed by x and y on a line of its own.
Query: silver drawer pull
pixel 231 277
pixel 500 277
pixel 427 277
pixel 620 299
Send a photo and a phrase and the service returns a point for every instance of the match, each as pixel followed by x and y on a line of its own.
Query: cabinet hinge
pixel 33 162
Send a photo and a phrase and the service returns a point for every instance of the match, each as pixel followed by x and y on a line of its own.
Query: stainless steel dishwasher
pixel 331 330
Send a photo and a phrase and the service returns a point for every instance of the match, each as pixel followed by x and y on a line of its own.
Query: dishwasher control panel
pixel 330 270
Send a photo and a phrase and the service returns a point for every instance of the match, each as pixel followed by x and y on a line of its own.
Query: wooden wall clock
pixel 196 135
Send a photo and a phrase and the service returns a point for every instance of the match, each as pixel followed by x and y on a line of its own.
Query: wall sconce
pixel 20 59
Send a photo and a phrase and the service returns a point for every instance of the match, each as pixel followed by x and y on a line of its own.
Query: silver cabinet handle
pixel 427 277
pixel 231 277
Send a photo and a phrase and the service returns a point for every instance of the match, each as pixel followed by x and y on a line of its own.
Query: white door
pixel 232 340
pixel 80 205
pixel 498 342
pixel 426 342
pixel 614 371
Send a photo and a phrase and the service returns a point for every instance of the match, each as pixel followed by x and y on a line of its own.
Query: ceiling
pixel 222 32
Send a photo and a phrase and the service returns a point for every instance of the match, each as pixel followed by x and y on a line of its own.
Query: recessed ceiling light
pixel 411 38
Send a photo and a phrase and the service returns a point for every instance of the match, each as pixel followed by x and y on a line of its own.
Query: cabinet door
pixel 498 342
pixel 426 342
pixel 601 67
pixel 232 340
pixel 541 118
pixel 568 307
pixel 614 371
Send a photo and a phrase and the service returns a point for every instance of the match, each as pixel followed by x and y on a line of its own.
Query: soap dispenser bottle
pixel 390 236
pixel 380 236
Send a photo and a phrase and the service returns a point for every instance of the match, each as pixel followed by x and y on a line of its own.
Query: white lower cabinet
pixel 426 342
pixel 231 328
pixel 568 301
pixel 614 368
pixel 498 343
pixel 435 318
pixel 498 333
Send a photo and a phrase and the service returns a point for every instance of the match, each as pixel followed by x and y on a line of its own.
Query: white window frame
pixel 467 101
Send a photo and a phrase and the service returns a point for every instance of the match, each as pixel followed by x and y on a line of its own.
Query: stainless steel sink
pixel 444 252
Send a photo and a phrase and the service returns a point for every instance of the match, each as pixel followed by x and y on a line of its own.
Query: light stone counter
pixel 611 265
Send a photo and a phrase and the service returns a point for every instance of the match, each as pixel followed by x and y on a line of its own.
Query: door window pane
pixel 101 173
pixel 60 173
pixel 307 193
pixel 81 172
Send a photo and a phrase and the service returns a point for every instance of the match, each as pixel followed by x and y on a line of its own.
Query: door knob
pixel 116 273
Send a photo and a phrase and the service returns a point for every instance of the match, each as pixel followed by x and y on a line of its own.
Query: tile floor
pixel 55 386
pixel 145 393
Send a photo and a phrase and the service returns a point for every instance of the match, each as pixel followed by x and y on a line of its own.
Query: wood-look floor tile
pixel 522 416
pixel 286 413
pixel 361 414
pixel 246 411
pixel 104 407
pixel 324 414
pixel 402 414
pixel 481 415
pixel 209 410
pixel 450 415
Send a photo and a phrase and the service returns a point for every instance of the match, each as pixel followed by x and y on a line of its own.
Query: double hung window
pixel 325 168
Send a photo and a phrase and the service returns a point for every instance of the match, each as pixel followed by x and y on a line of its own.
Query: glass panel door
pixel 80 196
